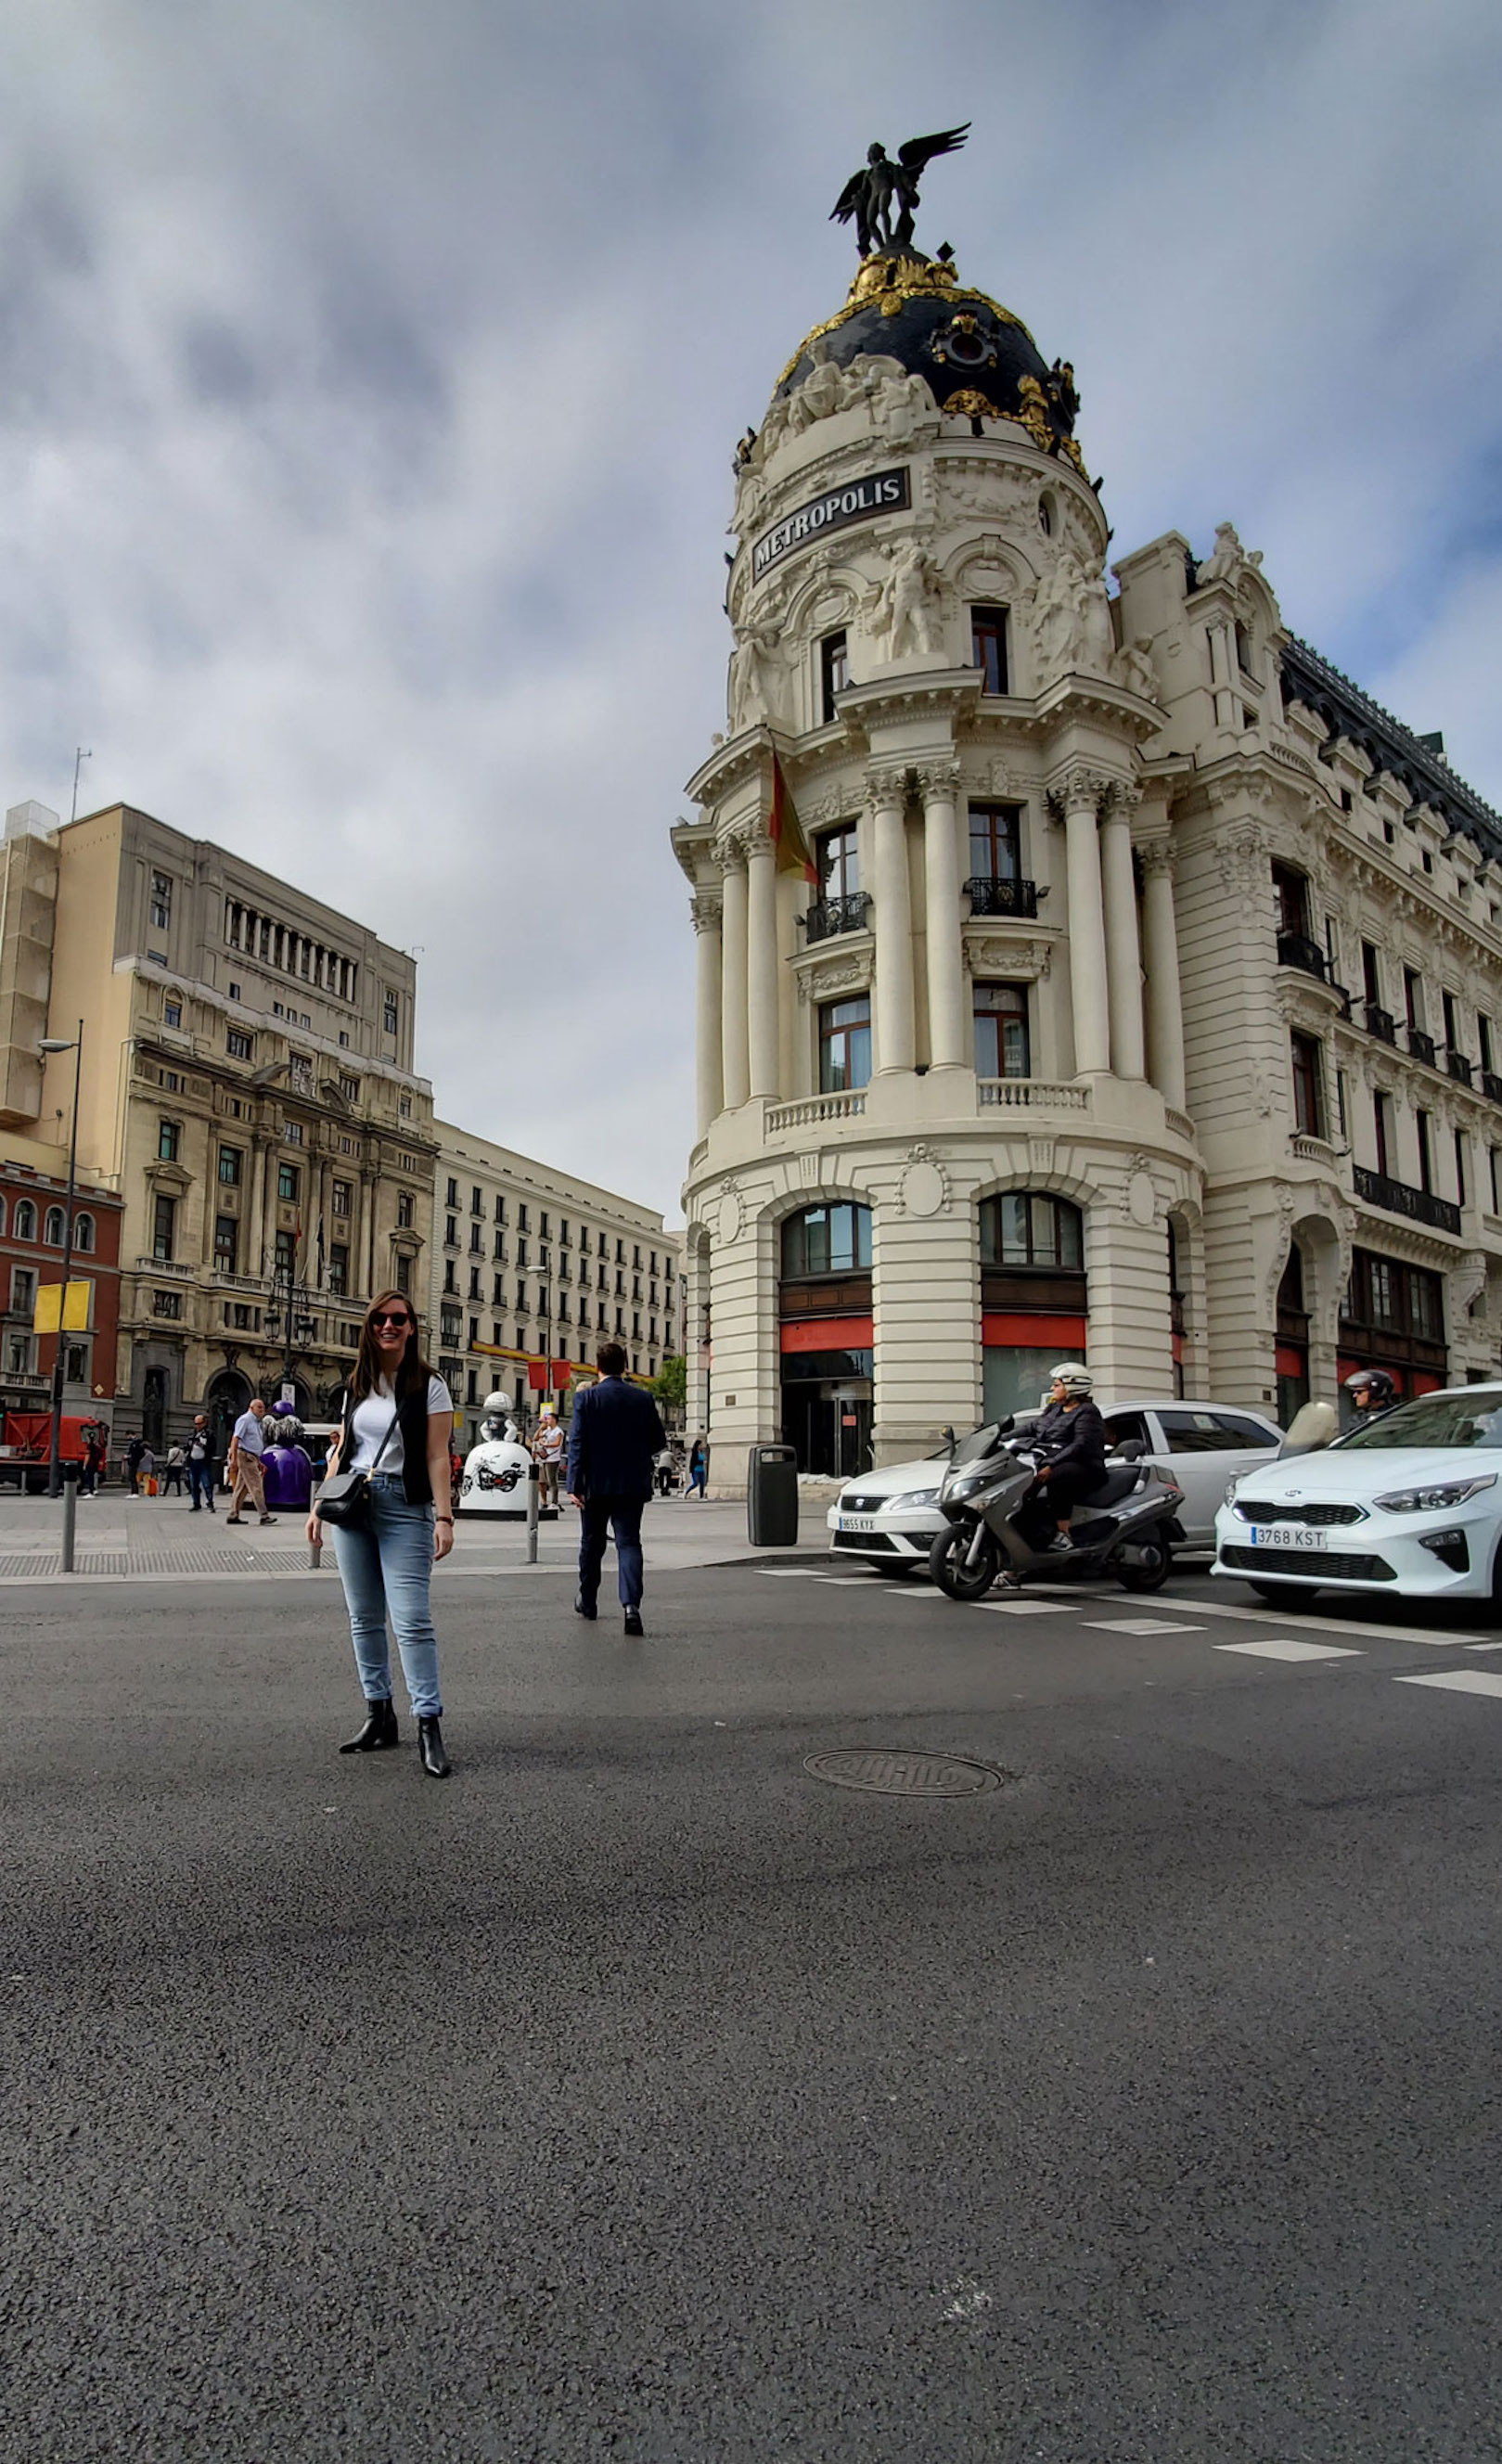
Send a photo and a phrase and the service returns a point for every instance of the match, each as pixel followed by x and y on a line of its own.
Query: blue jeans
pixel 201 1485
pixel 624 1515
pixel 387 1569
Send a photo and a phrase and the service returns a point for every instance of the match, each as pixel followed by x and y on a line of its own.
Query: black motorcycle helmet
pixel 1380 1392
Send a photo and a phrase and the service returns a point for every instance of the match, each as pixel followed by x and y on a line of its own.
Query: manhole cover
pixel 901 1775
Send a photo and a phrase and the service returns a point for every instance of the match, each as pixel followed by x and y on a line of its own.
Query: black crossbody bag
pixel 345 1500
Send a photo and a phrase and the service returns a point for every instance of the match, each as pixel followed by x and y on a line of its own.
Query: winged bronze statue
pixel 868 197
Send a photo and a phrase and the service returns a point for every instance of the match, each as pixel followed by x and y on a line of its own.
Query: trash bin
pixel 772 1497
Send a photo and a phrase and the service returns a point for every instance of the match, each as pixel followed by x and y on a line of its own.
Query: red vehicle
pixel 26 1447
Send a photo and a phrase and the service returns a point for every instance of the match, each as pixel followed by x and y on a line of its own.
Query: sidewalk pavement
pixel 125 1539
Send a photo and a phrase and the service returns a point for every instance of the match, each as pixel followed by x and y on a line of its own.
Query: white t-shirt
pixel 372 1420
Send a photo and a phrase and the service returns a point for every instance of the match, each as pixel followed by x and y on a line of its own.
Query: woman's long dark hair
pixel 412 1377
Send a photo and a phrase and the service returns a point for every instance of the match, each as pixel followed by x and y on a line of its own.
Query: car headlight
pixel 1434 1501
pixel 1231 1487
pixel 911 1498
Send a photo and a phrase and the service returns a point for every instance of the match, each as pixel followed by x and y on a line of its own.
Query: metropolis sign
pixel 886 491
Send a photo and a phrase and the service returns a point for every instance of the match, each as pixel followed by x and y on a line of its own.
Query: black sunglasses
pixel 384 1317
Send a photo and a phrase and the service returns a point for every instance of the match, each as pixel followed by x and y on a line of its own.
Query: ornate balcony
pixel 1420 1046
pixel 1460 1067
pixel 1492 1086
pixel 847 1106
pixel 829 916
pixel 1041 1095
pixel 1297 950
pixel 992 897
pixel 1379 1022
pixel 1397 1198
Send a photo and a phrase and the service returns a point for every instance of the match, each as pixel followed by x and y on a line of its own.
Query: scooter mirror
pixel 1312 1427
pixel 949 1436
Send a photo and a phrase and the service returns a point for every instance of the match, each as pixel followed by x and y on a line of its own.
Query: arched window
pixel 83 1232
pixel 25 1219
pixel 828 1241
pixel 1025 1227
pixel 55 1231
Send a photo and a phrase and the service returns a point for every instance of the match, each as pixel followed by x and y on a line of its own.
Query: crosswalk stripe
pixel 1459 1681
pixel 1141 1625
pixel 1281 1647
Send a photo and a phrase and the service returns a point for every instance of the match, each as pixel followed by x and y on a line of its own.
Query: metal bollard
pixel 69 1511
pixel 534 1484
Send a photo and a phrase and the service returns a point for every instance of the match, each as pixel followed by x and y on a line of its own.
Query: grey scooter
pixel 1119 1529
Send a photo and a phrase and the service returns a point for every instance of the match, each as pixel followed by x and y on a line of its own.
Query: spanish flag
pixel 793 851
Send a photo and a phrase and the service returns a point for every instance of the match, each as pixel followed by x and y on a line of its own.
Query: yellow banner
pixel 50 1310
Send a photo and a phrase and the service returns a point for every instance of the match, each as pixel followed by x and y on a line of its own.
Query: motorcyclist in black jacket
pixel 1069 1439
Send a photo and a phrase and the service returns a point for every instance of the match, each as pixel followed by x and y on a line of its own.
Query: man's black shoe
pixel 633 1621
pixel 580 1609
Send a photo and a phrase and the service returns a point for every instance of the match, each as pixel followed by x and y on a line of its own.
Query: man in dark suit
pixel 613 1438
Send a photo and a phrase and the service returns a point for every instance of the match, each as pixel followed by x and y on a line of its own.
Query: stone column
pixel 705 908
pixel 735 1048
pixel 949 1045
pixel 762 962
pixel 1123 952
pixel 1078 794
pixel 1164 999
pixel 894 920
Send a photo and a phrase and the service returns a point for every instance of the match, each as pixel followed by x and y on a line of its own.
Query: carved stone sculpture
pixel 907 608
pixel 1229 560
pixel 750 661
pixel 869 197
pixel 1135 669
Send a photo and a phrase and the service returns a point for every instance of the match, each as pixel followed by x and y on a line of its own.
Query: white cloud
pixel 373 374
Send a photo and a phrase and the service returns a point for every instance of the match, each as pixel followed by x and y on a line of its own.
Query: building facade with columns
pixel 1041 931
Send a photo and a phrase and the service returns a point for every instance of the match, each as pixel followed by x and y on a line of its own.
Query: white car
pixel 892 1517
pixel 1410 1503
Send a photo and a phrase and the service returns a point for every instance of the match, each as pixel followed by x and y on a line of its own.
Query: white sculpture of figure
pixel 1097 647
pixel 908 610
pixel 1056 616
pixel 774 427
pixel 496 1467
pixel 1228 559
pixel 821 391
pixel 1135 669
pixel 747 699
pixel 898 402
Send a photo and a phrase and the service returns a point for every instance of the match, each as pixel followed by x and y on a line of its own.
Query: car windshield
pixel 1471 1420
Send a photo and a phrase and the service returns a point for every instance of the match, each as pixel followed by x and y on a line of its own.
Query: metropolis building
pixel 1146 1002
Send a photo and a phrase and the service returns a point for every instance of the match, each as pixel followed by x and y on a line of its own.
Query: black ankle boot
pixel 379 1730
pixel 429 1749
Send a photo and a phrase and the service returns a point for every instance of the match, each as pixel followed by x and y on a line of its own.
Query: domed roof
pixel 977 358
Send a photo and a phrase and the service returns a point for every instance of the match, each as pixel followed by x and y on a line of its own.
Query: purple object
pixel 289 1478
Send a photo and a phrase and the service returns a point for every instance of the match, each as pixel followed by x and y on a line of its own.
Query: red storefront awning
pixel 1010 1329
pixel 829 1334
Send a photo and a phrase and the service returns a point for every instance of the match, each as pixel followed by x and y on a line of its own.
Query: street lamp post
pixel 74 1046
pixel 283 1317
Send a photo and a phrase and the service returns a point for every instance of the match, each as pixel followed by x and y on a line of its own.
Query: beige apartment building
pixel 532 1269
pixel 247 1086
pixel 1144 1000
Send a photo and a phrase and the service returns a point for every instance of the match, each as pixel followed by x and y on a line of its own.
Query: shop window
pixel 1000 1031
pixel 827 1241
pixel 1023 1227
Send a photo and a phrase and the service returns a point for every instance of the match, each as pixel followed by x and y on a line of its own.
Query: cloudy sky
pixel 370 374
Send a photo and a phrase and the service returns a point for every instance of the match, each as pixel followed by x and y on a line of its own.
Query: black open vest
pixel 411 1419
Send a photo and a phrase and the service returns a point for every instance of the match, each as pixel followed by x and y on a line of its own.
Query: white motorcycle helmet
pixel 1073 1377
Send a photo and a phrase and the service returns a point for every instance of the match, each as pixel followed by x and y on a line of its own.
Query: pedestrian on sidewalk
pixel 247 1470
pixel 200 1464
pixel 176 1465
pixel 395 1420
pixel 615 1433
pixel 133 1453
pixel 698 1466
pixel 548 1452
pixel 95 1460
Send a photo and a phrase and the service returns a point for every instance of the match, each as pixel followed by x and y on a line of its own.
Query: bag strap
pixel 349 1423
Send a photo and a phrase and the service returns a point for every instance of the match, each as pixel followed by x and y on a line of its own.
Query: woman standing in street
pixel 395 1423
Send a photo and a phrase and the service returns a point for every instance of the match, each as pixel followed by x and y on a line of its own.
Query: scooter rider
pixel 1371 1393
pixel 1069 1443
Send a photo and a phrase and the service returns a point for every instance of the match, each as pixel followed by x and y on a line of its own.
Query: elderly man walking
pixel 613 1438
pixel 246 1446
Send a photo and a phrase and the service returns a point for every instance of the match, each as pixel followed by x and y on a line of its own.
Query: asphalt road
pixel 637 2094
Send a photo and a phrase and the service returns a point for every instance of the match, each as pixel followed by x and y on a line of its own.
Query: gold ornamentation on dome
pixel 1034 414
pixel 889 281
pixel 1072 452
pixel 968 403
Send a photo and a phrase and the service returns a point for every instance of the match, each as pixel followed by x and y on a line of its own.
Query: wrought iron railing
pixel 1420 1046
pixel 828 916
pixel 1297 950
pixel 1397 1198
pixel 1380 1023
pixel 1460 1067
pixel 1492 1086
pixel 992 897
